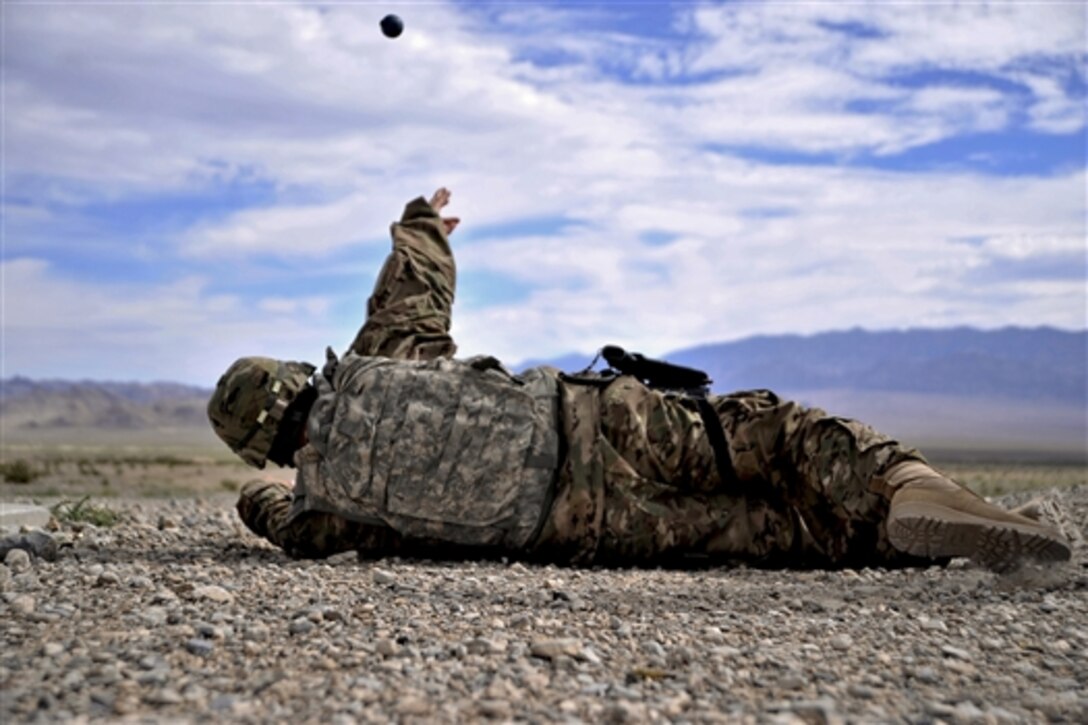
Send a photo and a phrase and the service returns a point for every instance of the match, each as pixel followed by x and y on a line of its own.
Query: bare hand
pixel 438 202
pixel 440 198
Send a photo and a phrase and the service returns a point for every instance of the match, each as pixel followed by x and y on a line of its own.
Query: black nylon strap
pixel 712 424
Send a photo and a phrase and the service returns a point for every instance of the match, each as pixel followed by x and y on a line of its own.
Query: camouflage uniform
pixel 638 481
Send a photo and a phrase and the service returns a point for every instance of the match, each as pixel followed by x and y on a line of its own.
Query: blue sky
pixel 185 183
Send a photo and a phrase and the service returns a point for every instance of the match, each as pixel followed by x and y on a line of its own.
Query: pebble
pixel 214 593
pixel 301 625
pixel 107 579
pixel 382 577
pixel 17 560
pixel 552 648
pixel 497 709
pixel 165 696
pixel 927 675
pixel 23 604
pixel 841 642
pixel 950 651
pixel 201 647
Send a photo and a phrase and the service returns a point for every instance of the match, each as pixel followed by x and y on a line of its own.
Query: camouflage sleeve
pixel 408 315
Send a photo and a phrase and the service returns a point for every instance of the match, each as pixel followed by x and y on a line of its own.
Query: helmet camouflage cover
pixel 249 401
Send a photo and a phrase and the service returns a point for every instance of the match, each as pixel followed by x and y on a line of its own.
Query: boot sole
pixel 930 530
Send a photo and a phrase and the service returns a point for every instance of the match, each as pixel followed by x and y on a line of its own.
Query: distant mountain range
pixel 1013 387
pixel 30 404
pixel 1041 364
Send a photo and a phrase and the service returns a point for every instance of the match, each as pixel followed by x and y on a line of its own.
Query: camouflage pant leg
pixel 808 482
pixel 827 470
pixel 662 498
pixel 265 509
pixel 315 536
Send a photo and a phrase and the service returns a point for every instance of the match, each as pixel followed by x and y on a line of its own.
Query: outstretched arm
pixel 408 315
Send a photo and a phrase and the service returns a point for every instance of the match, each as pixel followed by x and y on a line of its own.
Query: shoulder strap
pixel 715 434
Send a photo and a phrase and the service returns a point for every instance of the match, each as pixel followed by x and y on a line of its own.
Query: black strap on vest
pixel 715 434
pixel 695 384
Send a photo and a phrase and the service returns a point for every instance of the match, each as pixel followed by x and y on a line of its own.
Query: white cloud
pixel 1054 111
pixel 976 35
pixel 861 248
pixel 1033 244
pixel 55 326
pixel 125 101
pixel 992 38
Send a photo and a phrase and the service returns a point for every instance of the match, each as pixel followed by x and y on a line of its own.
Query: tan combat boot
pixel 263 507
pixel 933 517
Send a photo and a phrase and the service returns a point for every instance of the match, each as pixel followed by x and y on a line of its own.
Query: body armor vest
pixel 445 450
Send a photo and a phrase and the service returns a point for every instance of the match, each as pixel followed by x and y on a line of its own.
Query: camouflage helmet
pixel 249 401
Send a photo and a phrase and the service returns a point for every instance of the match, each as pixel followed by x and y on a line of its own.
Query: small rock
pixel 497 709
pixel 860 691
pixel 165 696
pixel 960 654
pixel 481 646
pixel 17 560
pixel 23 604
pixel 256 632
pixel 387 647
pixel 384 578
pixel 213 593
pixel 968 712
pixel 927 675
pixel 939 709
pixel 792 681
pixel 222 703
pixel 822 711
pixel 959 666
pixel 209 631
pixel 622 712
pixel 154 616
pixel 199 647
pixel 302 625
pixel 551 648
pixel 841 642
pixel 932 625
pixel 107 578
pixel 412 705
pixel 150 662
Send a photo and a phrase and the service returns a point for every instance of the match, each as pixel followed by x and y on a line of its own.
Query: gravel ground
pixel 180 614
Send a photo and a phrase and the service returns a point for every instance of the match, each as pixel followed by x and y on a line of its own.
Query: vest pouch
pixel 462 480
pixel 440 450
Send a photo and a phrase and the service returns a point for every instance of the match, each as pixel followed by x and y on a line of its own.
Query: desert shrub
pixel 84 512
pixel 170 461
pixel 19 471
pixel 87 468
